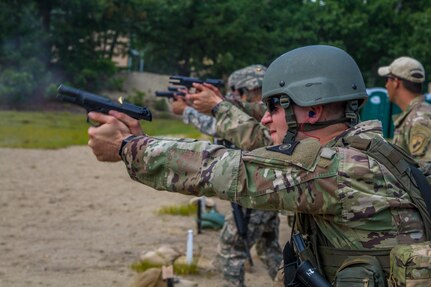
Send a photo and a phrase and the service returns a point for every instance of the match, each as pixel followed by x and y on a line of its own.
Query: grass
pixel 181 209
pixel 53 130
pixel 179 268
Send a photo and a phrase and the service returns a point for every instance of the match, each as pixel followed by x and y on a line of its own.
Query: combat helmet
pixel 315 75
pixel 250 77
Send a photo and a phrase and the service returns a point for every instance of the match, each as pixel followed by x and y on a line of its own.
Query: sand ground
pixel 68 220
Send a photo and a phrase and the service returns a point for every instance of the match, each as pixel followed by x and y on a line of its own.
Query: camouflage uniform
pixel 413 130
pixel 240 128
pixel 262 232
pixel 356 202
pixel 204 123
pixel 263 226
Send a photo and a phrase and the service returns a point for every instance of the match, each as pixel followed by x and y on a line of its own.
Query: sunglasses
pixel 272 103
pixel 390 78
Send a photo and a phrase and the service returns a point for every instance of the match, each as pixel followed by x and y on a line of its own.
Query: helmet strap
pixel 351 118
pixel 289 141
pixel 306 127
pixel 352 112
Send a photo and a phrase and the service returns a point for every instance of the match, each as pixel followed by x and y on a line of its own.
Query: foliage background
pixel 45 42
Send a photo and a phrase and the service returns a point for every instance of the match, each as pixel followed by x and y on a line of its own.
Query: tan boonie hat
pixel 405 68
pixel 250 77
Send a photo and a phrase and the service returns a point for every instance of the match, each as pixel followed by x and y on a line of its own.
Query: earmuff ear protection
pixel 311 114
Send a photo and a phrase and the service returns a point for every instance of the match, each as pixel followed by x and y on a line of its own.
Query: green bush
pixel 161 105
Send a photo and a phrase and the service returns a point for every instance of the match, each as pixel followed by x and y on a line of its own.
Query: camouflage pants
pixel 263 232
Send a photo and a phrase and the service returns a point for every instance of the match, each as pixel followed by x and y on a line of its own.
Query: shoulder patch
pixel 284 148
pixel 305 154
pixel 419 139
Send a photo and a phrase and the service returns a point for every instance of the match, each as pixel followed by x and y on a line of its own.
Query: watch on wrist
pixel 124 142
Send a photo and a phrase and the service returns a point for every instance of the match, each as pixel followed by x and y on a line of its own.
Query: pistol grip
pixel 93 124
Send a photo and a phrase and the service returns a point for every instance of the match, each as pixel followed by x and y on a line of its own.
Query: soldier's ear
pixel 315 113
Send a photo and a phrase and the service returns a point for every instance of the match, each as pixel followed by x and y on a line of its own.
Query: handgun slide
pixel 92 102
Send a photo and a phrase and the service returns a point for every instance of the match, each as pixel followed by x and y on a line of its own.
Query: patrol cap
pixel 405 68
pixel 233 79
pixel 250 77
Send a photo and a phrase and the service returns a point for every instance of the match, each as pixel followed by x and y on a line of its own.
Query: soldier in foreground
pixel 404 80
pixel 322 166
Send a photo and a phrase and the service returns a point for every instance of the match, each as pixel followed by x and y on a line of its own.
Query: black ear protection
pixel 311 114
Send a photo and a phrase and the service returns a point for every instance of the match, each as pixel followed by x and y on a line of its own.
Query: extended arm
pixel 241 129
pixel 204 123
pixel 199 168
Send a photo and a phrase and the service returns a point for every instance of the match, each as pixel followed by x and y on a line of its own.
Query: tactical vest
pixel 327 258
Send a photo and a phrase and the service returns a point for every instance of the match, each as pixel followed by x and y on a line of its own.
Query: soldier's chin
pixel 275 138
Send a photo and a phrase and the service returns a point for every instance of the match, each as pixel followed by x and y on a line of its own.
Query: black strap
pixel 289 264
pixel 423 186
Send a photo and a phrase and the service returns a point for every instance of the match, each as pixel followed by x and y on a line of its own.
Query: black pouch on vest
pixel 360 271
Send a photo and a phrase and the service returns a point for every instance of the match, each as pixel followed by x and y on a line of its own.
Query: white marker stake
pixel 189 254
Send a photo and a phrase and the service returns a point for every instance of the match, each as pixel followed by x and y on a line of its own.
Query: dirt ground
pixel 68 220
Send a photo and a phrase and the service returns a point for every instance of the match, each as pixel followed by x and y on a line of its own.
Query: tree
pixel 22 59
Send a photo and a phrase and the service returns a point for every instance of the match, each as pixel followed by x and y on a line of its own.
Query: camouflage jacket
pixel 205 124
pixel 238 127
pixel 356 202
pixel 413 130
pixel 255 110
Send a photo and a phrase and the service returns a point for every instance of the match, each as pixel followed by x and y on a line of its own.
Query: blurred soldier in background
pixel 404 80
pixel 261 227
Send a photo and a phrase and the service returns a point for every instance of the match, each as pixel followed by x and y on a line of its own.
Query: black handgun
pixel 241 223
pixel 188 81
pixel 169 95
pixel 306 272
pixel 95 103
pixel 173 89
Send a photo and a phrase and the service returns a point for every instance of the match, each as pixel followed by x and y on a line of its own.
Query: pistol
pixel 188 81
pixel 95 103
pixel 169 95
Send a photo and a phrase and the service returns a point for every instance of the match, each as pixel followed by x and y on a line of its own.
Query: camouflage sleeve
pixel 239 128
pixel 354 200
pixel 198 168
pixel 205 124
pixel 255 110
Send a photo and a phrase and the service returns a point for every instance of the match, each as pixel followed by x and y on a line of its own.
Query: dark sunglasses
pixel 242 91
pixel 272 103
pixel 390 78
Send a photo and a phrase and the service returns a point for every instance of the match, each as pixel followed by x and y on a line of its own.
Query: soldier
pixel 204 123
pixel 244 94
pixel 404 79
pixel 352 190
pixel 261 228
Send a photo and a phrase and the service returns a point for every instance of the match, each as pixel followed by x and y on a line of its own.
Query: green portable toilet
pixel 378 107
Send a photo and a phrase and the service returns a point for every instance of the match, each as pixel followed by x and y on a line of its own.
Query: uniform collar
pixel 399 119
pixel 367 129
